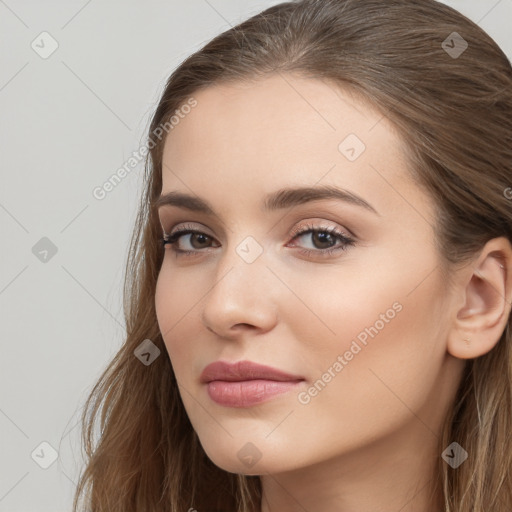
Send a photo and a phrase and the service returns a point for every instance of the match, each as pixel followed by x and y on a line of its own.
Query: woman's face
pixel 358 327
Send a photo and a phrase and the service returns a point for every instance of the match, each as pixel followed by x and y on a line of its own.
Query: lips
pixel 243 371
pixel 244 384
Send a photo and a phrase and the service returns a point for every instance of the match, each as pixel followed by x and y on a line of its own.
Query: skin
pixel 368 441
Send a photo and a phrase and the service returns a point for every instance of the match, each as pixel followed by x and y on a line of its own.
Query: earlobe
pixel 480 322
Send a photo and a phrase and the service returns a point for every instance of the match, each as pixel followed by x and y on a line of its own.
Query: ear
pixel 485 295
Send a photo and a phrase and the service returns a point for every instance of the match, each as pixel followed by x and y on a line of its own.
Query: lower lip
pixel 247 392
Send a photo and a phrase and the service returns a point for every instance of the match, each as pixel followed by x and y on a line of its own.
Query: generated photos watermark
pixel 305 397
pixel 101 191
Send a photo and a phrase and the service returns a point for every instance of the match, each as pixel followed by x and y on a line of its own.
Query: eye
pixel 324 237
pixel 196 240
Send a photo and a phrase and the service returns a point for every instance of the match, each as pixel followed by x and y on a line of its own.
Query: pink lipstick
pixel 245 383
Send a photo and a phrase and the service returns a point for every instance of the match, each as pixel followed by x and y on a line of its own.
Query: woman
pixel 319 286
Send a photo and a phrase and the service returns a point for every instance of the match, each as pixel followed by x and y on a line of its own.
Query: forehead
pixel 279 131
pixel 293 108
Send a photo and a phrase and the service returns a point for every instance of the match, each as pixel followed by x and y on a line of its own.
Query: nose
pixel 242 298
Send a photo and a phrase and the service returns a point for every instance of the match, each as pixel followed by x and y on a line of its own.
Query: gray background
pixel 68 122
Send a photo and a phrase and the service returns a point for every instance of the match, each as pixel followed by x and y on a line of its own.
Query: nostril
pixel 248 326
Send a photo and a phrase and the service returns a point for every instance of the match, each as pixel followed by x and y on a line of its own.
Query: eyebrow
pixel 280 199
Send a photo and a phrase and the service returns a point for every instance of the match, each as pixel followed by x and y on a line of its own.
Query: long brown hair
pixel 452 106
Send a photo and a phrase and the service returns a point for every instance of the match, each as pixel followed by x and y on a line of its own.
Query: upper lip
pixel 244 370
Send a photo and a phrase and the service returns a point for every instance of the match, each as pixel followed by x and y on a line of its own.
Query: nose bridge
pixel 242 272
pixel 241 290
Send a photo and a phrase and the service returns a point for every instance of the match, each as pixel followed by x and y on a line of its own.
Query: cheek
pixel 376 333
pixel 332 308
pixel 177 305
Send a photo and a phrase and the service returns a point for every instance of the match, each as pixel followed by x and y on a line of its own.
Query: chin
pixel 230 461
pixel 241 456
pixel 234 454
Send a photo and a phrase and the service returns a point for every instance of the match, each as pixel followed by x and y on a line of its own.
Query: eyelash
pixel 346 241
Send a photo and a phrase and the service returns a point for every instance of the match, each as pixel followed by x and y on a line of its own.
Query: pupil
pixel 200 236
pixel 322 236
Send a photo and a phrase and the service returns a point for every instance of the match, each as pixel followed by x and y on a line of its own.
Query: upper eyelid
pixel 188 226
pixel 306 212
pixel 299 229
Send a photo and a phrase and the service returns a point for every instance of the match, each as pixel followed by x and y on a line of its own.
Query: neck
pixel 393 473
